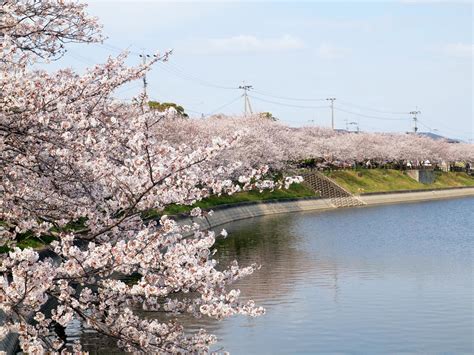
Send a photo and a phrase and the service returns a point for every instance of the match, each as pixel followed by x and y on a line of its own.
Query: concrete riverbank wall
pixel 401 197
pixel 230 213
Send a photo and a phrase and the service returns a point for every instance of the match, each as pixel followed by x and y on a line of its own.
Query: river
pixel 390 279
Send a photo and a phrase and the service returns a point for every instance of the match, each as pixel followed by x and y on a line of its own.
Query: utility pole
pixel 414 113
pixel 246 88
pixel 332 110
pixel 145 83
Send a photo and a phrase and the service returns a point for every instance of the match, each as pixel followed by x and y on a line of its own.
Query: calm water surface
pixel 391 279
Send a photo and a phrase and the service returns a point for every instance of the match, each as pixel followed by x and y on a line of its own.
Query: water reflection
pixel 372 280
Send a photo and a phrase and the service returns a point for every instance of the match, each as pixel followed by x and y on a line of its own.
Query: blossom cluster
pixel 80 168
pixel 277 145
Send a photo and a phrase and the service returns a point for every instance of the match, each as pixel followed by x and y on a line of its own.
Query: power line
pixel 285 104
pixel 178 70
pixel 166 67
pixel 464 135
pixel 427 127
pixel 345 103
pixel 225 105
pixel 121 91
pixel 80 58
pixel 193 111
pixel 284 97
pixel 370 116
pixel 117 49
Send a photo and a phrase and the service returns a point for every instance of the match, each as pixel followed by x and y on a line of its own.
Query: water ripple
pixel 392 279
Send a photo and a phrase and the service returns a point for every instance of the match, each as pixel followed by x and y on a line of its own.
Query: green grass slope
pixel 382 180
pixel 294 191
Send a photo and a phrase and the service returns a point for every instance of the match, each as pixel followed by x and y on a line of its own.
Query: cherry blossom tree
pixel 80 168
pixel 279 146
pixel 262 141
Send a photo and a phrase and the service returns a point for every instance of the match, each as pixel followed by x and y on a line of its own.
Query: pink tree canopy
pixel 80 169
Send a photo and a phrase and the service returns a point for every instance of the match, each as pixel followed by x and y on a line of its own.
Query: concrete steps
pixel 329 189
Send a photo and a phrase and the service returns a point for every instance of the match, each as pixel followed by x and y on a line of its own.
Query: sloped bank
pixel 229 213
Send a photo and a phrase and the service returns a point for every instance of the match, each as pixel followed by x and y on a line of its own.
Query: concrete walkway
pixel 231 213
pixel 388 198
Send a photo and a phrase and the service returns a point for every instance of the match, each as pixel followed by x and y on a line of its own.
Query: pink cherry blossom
pixel 81 168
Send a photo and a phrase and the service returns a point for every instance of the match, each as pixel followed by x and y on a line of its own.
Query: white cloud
pixel 460 50
pixel 329 51
pixel 242 44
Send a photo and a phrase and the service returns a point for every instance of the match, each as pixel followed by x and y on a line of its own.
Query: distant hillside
pixel 438 137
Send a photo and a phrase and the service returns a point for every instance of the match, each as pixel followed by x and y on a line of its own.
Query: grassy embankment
pixel 294 191
pixel 29 240
pixel 384 180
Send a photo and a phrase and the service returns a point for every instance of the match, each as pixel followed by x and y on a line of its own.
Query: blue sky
pixel 374 57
